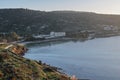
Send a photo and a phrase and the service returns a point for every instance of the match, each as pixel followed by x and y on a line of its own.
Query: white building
pixel 40 36
pixel 51 35
pixel 110 27
pixel 107 28
pixel 57 34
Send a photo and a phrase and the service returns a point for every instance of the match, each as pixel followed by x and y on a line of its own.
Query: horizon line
pixel 64 10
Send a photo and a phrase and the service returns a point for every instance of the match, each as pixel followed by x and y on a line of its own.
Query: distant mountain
pixel 25 21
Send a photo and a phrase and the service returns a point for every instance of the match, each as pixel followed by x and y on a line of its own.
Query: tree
pixel 14 36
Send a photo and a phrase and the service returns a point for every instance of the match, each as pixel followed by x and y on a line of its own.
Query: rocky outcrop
pixel 18 49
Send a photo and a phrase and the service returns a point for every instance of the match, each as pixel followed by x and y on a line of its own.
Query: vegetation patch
pixel 16 67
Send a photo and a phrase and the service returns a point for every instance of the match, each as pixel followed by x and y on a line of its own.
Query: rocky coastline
pixel 13 66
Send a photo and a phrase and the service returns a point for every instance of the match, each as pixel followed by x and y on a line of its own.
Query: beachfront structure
pixel 40 36
pixel 51 35
pixel 110 28
pixel 57 34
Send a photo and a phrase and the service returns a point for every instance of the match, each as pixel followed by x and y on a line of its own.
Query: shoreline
pixel 95 38
pixel 63 39
pixel 57 69
pixel 11 64
pixel 48 40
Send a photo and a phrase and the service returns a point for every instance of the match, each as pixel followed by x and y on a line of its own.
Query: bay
pixel 97 59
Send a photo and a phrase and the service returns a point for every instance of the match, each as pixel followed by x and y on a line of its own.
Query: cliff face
pixel 16 67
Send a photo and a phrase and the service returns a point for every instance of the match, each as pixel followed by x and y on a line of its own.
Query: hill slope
pixel 15 67
pixel 25 21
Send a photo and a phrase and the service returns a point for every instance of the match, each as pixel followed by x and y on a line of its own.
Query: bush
pixel 1 58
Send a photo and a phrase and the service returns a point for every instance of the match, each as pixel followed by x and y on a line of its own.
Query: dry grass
pixel 15 67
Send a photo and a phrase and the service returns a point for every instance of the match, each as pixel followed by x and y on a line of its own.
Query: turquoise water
pixel 97 59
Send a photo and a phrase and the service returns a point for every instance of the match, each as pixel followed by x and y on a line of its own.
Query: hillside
pixel 15 67
pixel 25 21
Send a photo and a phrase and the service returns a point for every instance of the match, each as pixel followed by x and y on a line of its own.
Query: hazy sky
pixel 99 6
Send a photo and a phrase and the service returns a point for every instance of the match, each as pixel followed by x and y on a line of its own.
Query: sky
pixel 98 6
